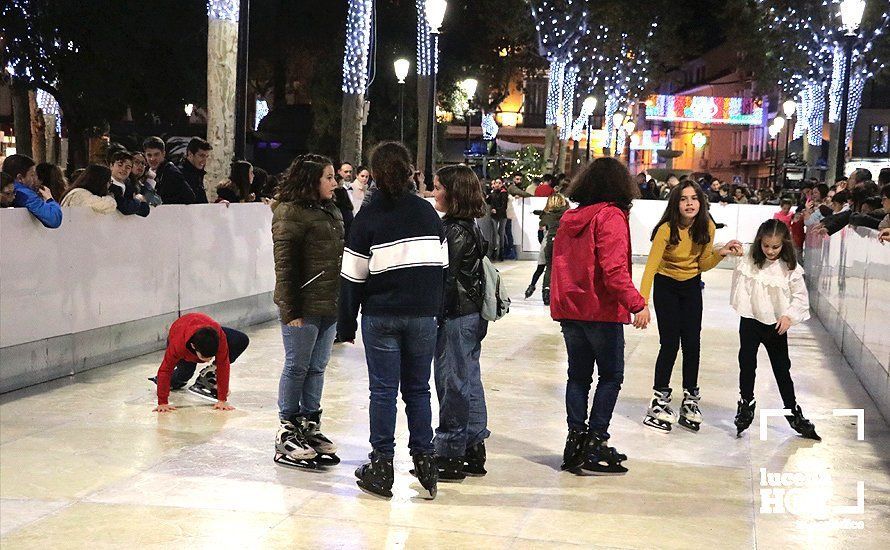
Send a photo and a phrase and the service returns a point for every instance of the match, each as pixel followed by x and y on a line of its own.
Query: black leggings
pixel 678 305
pixel 537 275
pixel 752 333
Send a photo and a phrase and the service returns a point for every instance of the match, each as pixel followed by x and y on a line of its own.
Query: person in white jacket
pixel 91 190
pixel 770 295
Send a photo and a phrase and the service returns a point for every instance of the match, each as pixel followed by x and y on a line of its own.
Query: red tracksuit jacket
pixel 180 332
pixel 591 278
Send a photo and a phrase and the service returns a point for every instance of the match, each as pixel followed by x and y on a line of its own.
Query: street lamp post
pixel 617 121
pixel 851 16
pixel 435 14
pixel 773 135
pixel 788 108
pixel 589 106
pixel 401 66
pixel 629 127
pixel 468 86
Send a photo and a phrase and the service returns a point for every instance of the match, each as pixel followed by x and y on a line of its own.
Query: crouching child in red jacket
pixel 592 298
pixel 196 338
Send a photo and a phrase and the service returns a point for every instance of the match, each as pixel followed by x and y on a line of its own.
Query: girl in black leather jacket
pixel 460 437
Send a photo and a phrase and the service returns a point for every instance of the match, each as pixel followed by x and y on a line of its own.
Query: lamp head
pixel 189 108
pixel 402 66
pixel 779 122
pixel 468 86
pixel 699 140
pixel 435 14
pixel 851 14
pixel 789 107
pixel 589 104
pixel 618 119
pixel 629 126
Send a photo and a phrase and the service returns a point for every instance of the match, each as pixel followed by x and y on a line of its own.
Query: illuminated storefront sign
pixel 705 109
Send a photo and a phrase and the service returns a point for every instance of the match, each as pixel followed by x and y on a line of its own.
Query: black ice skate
pixel 690 414
pixel 427 472
pixel 450 469
pixel 205 385
pixel 291 447
pixel 574 454
pixel 801 425
pixel 376 477
pixel 474 460
pixel 324 447
pixel 602 460
pixel 529 291
pixel 545 294
pixel 660 416
pixel 744 415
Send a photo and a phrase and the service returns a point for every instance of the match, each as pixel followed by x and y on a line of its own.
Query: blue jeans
pixel 588 343
pixel 307 350
pixel 399 352
pixel 463 418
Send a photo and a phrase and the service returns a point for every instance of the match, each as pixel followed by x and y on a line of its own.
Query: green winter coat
pixel 308 241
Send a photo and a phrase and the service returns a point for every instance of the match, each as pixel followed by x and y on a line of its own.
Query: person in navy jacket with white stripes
pixel 394 270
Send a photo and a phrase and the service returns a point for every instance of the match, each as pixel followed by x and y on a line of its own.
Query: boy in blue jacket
pixel 39 203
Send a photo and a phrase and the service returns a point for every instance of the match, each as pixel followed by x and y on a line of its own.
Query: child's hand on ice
pixel 223 406
pixel 163 408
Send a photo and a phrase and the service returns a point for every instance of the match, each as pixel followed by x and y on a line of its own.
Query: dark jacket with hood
pixel 464 276
pixel 172 186
pixel 308 250
pixel 125 198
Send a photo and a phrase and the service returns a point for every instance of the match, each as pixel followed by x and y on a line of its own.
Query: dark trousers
pixel 399 352
pixel 589 343
pixel 184 370
pixel 678 306
pixel 548 256
pixel 537 274
pixel 463 416
pixel 752 333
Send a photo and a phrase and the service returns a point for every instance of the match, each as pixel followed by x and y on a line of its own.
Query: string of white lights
pixel 358 41
pixel 226 10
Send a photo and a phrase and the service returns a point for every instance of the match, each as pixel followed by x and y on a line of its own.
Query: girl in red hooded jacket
pixel 593 297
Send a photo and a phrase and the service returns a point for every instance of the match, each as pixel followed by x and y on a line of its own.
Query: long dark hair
pixel 94 179
pixel 604 180
pixel 774 228
pixel 391 168
pixel 463 191
pixel 52 177
pixel 240 177
pixel 699 231
pixel 302 179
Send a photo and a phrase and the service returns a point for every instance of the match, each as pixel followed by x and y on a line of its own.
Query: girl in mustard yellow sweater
pixel 682 248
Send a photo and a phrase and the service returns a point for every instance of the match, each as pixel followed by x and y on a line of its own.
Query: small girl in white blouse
pixel 769 293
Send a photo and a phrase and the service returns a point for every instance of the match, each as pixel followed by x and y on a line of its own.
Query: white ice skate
pixel 660 416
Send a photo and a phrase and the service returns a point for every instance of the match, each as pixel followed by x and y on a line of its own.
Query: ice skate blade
pixel 306 464
pixel 600 474
pixel 691 426
pixel 387 495
pixel 657 425
pixel 205 396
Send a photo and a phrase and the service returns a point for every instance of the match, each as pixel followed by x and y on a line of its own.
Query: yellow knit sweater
pixel 682 261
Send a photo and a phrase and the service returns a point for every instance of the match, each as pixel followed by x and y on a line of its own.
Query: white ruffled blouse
pixel 767 293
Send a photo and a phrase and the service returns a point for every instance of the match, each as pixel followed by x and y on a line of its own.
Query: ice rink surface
pixel 84 463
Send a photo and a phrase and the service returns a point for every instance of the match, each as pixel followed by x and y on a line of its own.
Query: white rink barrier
pixel 848 275
pixel 102 288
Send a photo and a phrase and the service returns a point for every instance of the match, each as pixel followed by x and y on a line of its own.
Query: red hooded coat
pixel 591 278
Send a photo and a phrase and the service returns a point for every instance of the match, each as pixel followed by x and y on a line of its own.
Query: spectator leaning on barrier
pixel 237 187
pixel 90 189
pixel 143 180
pixel 192 167
pixel 171 185
pixel 7 190
pixel 29 193
pixel 784 214
pixel 123 191
pixel 51 177
pixel 545 188
pixel 885 204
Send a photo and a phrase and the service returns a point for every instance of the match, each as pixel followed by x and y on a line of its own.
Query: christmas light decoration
pixel 226 10
pixel 262 109
pixel 48 104
pixel 489 127
pixel 424 64
pixel 705 109
pixel 358 40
